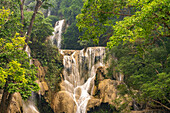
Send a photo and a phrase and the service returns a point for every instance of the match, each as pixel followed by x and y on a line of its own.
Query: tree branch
pixel 37 6
pixel 166 99
pixel 114 13
pixel 160 104
pixel 22 15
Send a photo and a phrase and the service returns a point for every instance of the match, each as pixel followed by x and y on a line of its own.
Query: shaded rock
pixel 43 87
pixel 93 102
pixel 63 102
pixel 100 74
pixel 42 72
pixel 16 105
pixel 103 108
pixel 45 69
pixel 108 91
pixel 36 63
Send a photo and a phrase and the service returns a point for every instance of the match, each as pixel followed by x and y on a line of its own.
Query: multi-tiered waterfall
pixel 79 73
pixel 80 68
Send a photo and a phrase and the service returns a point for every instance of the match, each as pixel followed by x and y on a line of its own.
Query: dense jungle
pixel 84 56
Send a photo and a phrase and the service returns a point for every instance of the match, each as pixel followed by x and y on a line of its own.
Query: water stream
pixel 57 33
pixel 79 73
pixel 80 68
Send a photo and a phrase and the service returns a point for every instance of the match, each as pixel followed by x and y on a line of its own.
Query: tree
pixel 146 75
pixel 37 6
pixel 140 40
pixel 42 27
pixel 98 16
pixel 16 74
pixel 14 5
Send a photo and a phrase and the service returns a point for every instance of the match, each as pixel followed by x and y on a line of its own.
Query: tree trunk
pixel 4 101
pixel 22 16
pixel 9 100
pixel 37 6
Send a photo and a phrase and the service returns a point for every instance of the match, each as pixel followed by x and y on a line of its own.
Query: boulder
pixel 43 86
pixel 16 105
pixel 108 91
pixel 63 102
pixel 93 102
pixel 36 62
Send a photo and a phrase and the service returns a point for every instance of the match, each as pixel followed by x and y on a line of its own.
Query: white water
pixel 27 49
pixel 57 33
pixel 29 105
pixel 49 12
pixel 79 74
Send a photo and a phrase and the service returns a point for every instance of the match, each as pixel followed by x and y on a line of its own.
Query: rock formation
pixel 63 102
pixel 84 85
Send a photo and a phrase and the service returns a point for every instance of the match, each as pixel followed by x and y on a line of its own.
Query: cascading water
pixel 57 33
pixel 28 51
pixel 79 73
pixel 29 105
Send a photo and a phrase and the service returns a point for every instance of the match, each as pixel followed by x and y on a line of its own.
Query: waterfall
pixel 79 73
pixel 28 51
pixel 48 12
pixel 56 38
pixel 29 105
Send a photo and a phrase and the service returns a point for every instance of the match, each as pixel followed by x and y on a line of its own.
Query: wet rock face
pixel 79 72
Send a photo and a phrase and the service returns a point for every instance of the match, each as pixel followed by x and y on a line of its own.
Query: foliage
pixel 53 19
pixel 42 27
pixel 97 17
pixel 17 75
pixel 49 56
pixel 70 8
pixel 70 38
pixel 66 8
pixel 4 14
pixel 148 74
pixel 14 67
pixel 103 108
pixel 43 51
pixel 9 23
pixel 139 38
pixel 149 23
